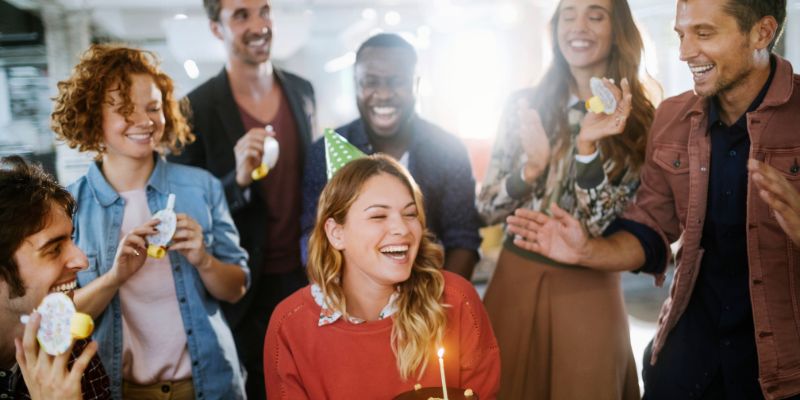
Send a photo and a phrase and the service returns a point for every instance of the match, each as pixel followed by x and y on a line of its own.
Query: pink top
pixel 153 339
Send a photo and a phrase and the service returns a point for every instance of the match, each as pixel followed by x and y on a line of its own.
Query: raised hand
pixel 560 237
pixel 780 195
pixel 46 376
pixel 132 252
pixel 534 140
pixel 188 240
pixel 597 126
pixel 248 151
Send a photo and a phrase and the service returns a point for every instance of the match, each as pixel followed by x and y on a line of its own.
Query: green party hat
pixel 338 152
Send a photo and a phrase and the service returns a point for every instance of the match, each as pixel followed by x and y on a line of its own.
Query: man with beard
pixel 38 256
pixel 230 113
pixel 731 327
pixel 385 94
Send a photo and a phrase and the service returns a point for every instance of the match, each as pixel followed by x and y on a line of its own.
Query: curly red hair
pixel 77 118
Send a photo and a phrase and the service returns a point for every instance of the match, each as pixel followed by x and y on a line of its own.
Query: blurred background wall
pixel 473 53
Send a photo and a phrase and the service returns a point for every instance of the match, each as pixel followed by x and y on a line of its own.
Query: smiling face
pixel 720 56
pixel 584 34
pixel 48 261
pixel 245 28
pixel 385 89
pixel 137 135
pixel 380 236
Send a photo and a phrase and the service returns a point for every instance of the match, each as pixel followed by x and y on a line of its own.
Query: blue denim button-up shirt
pixel 215 365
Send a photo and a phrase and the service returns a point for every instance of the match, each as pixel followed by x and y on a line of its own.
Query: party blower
pixel 270 157
pixel 60 323
pixel 602 100
pixel 158 242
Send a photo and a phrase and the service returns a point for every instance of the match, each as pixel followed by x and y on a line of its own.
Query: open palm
pixel 560 237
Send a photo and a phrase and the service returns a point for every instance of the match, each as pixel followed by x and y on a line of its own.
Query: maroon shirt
pixel 280 191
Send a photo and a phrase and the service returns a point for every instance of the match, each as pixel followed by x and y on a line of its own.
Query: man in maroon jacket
pixel 721 174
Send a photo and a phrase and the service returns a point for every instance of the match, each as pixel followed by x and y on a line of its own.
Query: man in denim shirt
pixel 385 68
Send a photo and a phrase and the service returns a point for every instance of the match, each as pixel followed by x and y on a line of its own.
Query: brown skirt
pixel 562 332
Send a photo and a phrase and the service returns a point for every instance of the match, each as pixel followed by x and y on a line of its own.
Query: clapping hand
pixel 534 140
pixel 560 237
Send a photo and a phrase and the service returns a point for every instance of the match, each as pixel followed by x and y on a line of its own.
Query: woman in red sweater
pixel 379 304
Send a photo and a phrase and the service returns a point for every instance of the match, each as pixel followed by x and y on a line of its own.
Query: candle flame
pixel 440 352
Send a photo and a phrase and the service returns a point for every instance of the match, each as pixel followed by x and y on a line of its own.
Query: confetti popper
pixel 157 243
pixel 270 157
pixel 602 100
pixel 60 323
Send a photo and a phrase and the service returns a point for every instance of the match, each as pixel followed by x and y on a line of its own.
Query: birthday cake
pixel 435 393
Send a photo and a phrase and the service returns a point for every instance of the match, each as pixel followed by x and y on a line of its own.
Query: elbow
pixel 235 295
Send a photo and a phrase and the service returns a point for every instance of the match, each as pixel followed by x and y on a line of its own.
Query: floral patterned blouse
pixel 582 188
pixel 328 316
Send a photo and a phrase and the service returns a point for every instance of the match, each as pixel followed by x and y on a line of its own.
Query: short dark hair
pixel 388 40
pixel 213 8
pixel 748 12
pixel 27 194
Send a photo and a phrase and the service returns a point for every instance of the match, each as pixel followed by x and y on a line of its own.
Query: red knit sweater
pixel 348 361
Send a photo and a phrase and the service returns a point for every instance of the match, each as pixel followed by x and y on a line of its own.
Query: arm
pixel 131 255
pixel 562 238
pixel 46 376
pixel 225 281
pixel 514 174
pixel 223 266
pixel 598 200
pixel 461 261
pixel 780 195
pixel 458 219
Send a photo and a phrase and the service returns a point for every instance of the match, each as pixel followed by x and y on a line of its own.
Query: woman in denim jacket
pixel 159 324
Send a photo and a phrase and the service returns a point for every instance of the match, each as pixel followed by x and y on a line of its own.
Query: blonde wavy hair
pixel 77 117
pixel 420 320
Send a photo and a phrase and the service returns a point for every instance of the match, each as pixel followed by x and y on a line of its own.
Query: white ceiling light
pixel 180 16
pixel 392 18
pixel 369 14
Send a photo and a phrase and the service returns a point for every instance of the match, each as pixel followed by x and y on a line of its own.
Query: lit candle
pixel 441 371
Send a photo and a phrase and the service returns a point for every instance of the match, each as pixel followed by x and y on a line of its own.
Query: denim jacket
pixel 215 365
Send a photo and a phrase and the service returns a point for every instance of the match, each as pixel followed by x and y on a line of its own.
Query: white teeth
pixel 700 69
pixel 65 287
pixel 579 43
pixel 394 249
pixel 383 110
pixel 257 42
pixel 140 136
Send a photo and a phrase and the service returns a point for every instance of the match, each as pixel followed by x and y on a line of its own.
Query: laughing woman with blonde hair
pixel 379 304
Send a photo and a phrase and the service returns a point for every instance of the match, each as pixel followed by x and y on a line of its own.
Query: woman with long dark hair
pixel 562 329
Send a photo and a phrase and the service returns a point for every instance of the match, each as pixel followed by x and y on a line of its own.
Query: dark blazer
pixel 217 123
